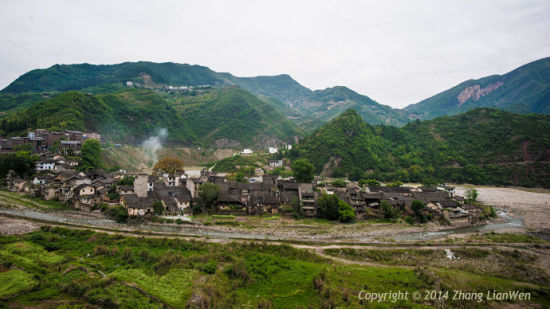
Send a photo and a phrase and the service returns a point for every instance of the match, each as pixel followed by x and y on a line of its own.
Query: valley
pixel 171 185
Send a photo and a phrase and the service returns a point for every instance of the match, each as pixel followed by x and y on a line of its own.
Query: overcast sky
pixel 396 52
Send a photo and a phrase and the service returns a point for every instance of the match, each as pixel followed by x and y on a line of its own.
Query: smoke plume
pixel 154 143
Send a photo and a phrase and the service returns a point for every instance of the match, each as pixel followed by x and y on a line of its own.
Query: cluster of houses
pixel 68 141
pixel 57 178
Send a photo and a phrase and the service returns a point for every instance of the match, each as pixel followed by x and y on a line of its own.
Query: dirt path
pixel 318 249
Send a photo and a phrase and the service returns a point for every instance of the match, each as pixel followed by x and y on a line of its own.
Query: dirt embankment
pixel 12 226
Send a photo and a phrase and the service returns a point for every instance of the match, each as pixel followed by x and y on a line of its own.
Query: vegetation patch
pixel 173 288
pixel 14 282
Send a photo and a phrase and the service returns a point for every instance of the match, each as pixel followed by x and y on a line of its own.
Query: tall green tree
pixel 208 195
pixel 332 208
pixel 303 170
pixel 91 155
pixel 22 163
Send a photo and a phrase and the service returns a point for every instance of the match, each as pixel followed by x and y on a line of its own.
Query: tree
pixel 169 165
pixel 303 170
pixel 388 210
pixel 418 207
pixel 91 155
pixel 395 184
pixel 339 183
pixel 328 206
pixel 369 182
pixel 208 195
pixel 471 194
pixel 345 212
pixel 158 208
pixel 126 181
pixel 22 163
pixel 332 208
pixel 119 213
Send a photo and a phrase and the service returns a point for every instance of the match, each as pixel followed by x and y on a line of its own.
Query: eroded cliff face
pixel 476 92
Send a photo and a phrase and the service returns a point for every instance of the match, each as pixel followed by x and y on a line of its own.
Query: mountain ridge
pixel 481 146
pixel 149 74
pixel 525 89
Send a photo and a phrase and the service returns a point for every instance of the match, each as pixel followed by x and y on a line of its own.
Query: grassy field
pixel 66 268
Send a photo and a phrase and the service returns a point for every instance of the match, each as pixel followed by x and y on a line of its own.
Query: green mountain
pixel 306 107
pixel 523 90
pixel 331 102
pixel 224 117
pixel 482 146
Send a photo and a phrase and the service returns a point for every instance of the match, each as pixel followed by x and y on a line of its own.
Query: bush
pixel 341 183
pixel 395 184
pixel 346 213
pixel 158 208
pixel 471 195
pixel 210 267
pixel 388 210
pixel 409 220
pixel 119 213
pixel 369 182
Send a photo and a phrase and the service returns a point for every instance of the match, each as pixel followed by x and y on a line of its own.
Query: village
pixel 58 178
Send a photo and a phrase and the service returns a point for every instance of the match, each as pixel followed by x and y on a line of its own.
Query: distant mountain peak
pixel 523 90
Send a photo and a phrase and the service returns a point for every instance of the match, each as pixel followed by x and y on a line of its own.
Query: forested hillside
pixel 310 108
pixel 225 116
pixel 483 146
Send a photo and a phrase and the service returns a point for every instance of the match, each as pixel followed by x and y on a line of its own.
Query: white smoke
pixel 154 143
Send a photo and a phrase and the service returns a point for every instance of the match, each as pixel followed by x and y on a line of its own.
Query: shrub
pixel 345 212
pixel 339 183
pixel 471 195
pixel 369 182
pixel 210 267
pixel 388 210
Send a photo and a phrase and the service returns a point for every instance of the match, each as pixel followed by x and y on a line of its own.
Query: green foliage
pixel 341 183
pixel 346 213
pixel 388 210
pixel 132 115
pixel 22 163
pixel 158 208
pixel 91 155
pixel 119 213
pixel 126 181
pixel 303 170
pixel 395 184
pixel 154 272
pixel 482 146
pixel 14 282
pixel 208 195
pixel 328 205
pixel 332 208
pixel 418 208
pixel 369 182
pixel 471 194
pixel 234 164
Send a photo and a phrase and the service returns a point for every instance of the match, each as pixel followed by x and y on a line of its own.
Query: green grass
pixel 31 202
pixel 223 216
pixel 174 288
pixel 88 269
pixel 508 238
pixel 15 281
pixel 275 217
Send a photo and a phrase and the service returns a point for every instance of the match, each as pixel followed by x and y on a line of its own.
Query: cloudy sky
pixel 396 52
